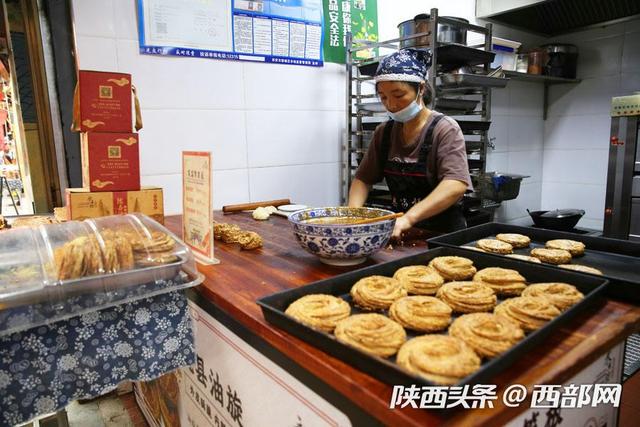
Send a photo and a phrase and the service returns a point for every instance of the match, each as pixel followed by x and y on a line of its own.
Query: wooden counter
pixel 244 276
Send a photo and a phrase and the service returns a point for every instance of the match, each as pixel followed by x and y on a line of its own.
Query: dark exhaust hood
pixel 554 17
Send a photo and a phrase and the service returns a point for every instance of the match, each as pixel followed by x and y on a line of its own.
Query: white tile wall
pixel 590 96
pixel 96 17
pixel 516 210
pixel 281 125
pixel 600 57
pixel 270 135
pixel 169 132
pixel 588 132
pixel 527 163
pixel 97 53
pixel 576 166
pixel 307 184
pixel 525 133
pixel 576 140
pixel 525 99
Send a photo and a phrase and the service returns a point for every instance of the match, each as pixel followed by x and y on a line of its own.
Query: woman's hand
pixel 403 224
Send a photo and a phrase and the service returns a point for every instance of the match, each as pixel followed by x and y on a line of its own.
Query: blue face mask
pixel 407 113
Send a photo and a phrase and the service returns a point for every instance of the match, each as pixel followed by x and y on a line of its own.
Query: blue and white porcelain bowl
pixel 341 244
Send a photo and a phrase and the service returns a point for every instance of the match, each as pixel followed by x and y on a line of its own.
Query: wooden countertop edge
pixel 581 356
pixel 280 340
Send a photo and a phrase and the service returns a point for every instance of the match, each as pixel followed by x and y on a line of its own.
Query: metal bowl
pixel 342 244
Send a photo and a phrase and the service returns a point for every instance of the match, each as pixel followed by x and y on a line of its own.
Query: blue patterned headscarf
pixel 405 65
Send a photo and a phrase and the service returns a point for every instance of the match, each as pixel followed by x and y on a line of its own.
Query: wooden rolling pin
pixel 378 218
pixel 250 206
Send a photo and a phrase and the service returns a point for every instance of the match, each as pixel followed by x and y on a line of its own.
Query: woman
pixel 420 152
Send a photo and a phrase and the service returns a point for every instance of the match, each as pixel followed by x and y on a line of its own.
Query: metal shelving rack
pixel 361 117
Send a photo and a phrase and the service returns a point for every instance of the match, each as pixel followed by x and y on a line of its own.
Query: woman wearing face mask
pixel 420 152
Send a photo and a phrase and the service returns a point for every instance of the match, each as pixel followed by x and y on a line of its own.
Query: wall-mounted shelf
pixel 539 78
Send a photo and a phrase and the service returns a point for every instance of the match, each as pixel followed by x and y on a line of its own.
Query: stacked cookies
pixel 457 315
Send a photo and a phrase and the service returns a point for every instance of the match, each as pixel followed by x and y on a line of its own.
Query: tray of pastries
pixel 51 262
pixel 445 316
pixel 617 260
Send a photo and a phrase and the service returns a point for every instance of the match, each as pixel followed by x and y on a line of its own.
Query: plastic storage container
pixel 505 51
pixel 56 271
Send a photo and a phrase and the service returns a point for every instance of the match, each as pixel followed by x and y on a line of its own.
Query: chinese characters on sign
pixel 482 396
pixel 277 31
pixel 358 17
pixel 221 414
pixel 197 205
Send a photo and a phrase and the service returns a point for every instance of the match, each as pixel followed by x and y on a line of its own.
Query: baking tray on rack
pixel 454 56
pixel 385 369
pixel 114 282
pixel 473 125
pixel 470 80
pixel 454 104
pixel 619 260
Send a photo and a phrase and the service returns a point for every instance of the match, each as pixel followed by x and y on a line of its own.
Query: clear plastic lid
pixel 119 258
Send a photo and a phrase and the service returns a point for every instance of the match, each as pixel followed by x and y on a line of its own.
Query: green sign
pixel 359 17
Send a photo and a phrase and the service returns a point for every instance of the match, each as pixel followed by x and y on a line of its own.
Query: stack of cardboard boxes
pixel 110 151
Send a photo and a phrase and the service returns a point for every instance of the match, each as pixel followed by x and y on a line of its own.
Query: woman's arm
pixel 448 192
pixel 358 193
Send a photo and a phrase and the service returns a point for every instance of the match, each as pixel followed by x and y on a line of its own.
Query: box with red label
pixel 103 102
pixel 82 203
pixel 110 161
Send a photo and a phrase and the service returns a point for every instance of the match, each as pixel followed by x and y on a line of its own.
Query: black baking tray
pixel 455 104
pixel 454 56
pixel 273 307
pixel 619 260
pixel 473 125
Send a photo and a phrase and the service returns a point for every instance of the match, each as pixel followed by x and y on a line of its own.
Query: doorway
pixel 30 167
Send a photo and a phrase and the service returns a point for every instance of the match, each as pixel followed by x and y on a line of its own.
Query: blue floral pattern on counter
pixel 44 368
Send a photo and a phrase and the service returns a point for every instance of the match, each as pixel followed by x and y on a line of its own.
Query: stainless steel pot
pixel 419 24
pixel 447 33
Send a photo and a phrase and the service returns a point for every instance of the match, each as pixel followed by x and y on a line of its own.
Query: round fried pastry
pixel 442 359
pixel 320 311
pixel 530 313
pixel 453 267
pixel 574 247
pixel 421 313
pixel 561 295
pixel 372 333
pixel 487 334
pixel 377 292
pixel 514 239
pixel 494 246
pixel 552 256
pixel 468 297
pixel 504 281
pixel 419 279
